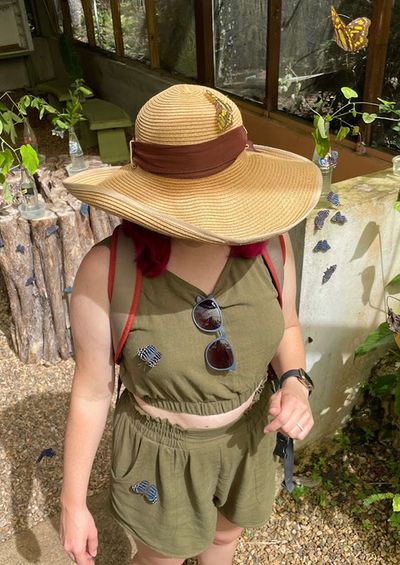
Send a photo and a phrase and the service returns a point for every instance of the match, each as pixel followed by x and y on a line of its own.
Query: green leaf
pixel 85 91
pixel 30 159
pixel 386 102
pixel 322 145
pixel 3 107
pixel 381 336
pixel 321 127
pixel 6 160
pixel 348 92
pixel 354 113
pixel 377 497
pixel 395 281
pixel 383 385
pixel 2 178
pixel 397 399
pixel 397 205
pixel 356 130
pixel 396 503
pixel 368 118
pixel 342 133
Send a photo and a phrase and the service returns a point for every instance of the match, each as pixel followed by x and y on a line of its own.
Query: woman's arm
pixel 91 394
pixel 290 406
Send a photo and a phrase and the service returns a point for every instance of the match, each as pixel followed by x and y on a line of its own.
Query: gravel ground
pixel 34 402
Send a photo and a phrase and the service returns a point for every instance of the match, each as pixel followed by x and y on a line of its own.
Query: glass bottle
pixel 326 165
pixel 29 136
pixel 31 207
pixel 75 153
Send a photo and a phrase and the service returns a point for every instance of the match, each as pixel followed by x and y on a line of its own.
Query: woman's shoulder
pixel 93 269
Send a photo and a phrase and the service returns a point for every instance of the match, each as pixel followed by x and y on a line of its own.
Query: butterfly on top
pixel 351 37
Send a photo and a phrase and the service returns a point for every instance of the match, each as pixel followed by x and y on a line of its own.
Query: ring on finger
pixel 300 426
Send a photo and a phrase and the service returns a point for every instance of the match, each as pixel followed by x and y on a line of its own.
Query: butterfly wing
pixel 351 37
pixel 358 33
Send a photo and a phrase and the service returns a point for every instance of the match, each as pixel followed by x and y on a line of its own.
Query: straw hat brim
pixel 260 195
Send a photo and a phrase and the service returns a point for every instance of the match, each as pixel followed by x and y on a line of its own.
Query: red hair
pixel 153 249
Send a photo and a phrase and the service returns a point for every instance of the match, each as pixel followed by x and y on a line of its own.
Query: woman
pixel 192 461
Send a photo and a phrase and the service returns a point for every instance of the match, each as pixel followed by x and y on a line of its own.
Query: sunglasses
pixel 207 316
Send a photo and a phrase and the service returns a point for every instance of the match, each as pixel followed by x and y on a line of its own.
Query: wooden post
pixel 204 42
pixel 116 16
pixel 66 16
pixel 152 33
pixel 273 54
pixel 87 9
pixel 376 58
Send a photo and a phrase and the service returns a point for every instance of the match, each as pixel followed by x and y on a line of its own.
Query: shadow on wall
pixel 20 424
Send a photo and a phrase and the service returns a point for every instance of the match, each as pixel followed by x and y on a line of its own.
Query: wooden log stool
pixel 39 260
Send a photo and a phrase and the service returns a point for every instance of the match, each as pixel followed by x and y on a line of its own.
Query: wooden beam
pixel 66 17
pixel 376 57
pixel 87 10
pixel 116 17
pixel 204 42
pixel 273 54
pixel 152 33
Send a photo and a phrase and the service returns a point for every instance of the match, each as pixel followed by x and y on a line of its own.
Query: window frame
pixel 205 56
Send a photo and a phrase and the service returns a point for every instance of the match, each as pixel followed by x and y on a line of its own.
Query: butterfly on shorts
pixel 224 111
pixel 149 491
pixel 351 37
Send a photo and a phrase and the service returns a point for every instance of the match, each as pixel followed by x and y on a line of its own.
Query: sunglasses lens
pixel 207 315
pixel 220 355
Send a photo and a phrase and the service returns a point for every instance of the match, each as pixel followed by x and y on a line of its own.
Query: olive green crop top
pixel 181 381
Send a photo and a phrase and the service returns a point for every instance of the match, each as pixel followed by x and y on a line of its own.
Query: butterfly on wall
pixel 351 37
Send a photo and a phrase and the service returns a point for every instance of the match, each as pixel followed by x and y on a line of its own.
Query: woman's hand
pixel 289 406
pixel 78 535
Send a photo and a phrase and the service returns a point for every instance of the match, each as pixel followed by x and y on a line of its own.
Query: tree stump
pixel 39 260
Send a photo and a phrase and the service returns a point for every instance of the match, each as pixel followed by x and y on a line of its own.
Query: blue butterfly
pixel 333 198
pixel 320 219
pixel 322 245
pixel 84 209
pixel 338 218
pixel 328 273
pixel 30 281
pixel 51 229
pixel 149 491
pixel 20 248
pixel 49 452
pixel 68 289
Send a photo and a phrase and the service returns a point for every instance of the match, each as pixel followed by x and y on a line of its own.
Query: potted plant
pixel 15 156
pixel 66 120
pixel 323 156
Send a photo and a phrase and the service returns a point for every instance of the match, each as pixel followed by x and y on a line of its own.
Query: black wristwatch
pixel 301 376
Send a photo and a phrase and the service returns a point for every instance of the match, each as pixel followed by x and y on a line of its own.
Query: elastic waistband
pixel 173 435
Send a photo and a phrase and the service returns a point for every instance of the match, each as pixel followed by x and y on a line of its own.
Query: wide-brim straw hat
pixel 193 176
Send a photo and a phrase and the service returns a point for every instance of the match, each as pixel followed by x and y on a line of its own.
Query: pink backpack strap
pixel 274 255
pixel 124 284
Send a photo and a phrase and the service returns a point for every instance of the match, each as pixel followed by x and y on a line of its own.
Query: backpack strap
pixel 274 255
pixel 124 275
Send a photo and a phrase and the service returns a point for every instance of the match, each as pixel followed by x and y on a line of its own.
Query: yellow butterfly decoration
pixel 224 111
pixel 351 37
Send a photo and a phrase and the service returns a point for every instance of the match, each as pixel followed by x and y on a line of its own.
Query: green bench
pixel 105 125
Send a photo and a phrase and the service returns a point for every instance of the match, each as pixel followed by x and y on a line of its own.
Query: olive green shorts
pixel 167 483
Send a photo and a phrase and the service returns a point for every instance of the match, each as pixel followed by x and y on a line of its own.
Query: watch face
pixel 307 379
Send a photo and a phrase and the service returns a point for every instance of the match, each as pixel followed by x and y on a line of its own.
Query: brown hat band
pixel 190 161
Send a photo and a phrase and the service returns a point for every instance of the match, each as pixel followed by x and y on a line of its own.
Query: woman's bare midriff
pixel 193 420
